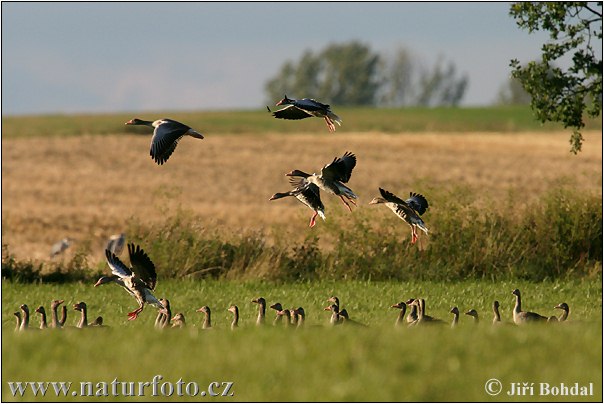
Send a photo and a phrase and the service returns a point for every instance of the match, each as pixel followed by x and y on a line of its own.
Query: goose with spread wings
pixel 307 193
pixel 166 135
pixel 333 177
pixel 139 280
pixel 409 210
pixel 306 108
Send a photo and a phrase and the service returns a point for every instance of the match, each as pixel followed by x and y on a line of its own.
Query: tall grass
pixel 558 236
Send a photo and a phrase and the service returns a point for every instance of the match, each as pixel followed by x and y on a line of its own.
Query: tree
pixel 563 95
pixel 398 73
pixel 440 86
pixel 512 93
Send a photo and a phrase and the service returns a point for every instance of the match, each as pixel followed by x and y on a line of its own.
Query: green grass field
pixel 377 363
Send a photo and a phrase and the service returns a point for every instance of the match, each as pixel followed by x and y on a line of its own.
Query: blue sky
pixel 117 57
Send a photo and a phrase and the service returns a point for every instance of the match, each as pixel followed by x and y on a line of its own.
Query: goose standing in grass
pixel 116 243
pixel 54 318
pixel 24 318
pixel 408 210
pixel 346 320
pixel 412 316
pixel 163 317
pixel 178 321
pixel 301 316
pixel 422 317
pixel 400 319
pixel 335 314
pixel 235 310
pixel 277 307
pixel 40 310
pixel 286 315
pixel 473 313
pixel 139 281
pixel 306 108
pixel 333 177
pixel 455 312
pixel 522 317
pixel 261 302
pixel 166 135
pixel 60 247
pixel 307 193
pixel 565 310
pixel 496 315
pixel 81 307
pixel 293 315
pixel 207 319
pixel 17 315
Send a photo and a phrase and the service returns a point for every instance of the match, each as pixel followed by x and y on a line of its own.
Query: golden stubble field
pixel 87 187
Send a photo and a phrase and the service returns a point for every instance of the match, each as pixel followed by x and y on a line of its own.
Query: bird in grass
pixel 409 210
pixel 307 193
pixel 306 108
pixel 139 280
pixel 166 135
pixel 60 247
pixel 332 178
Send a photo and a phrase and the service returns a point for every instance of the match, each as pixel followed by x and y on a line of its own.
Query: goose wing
pixel 417 202
pixel 308 104
pixel 340 169
pixel 291 112
pixel 118 268
pixel 165 139
pixel 142 266
pixel 390 197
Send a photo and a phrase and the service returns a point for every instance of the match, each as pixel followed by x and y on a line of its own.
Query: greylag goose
pixel 166 135
pixel 408 210
pixel 207 319
pixel 24 318
pixel 333 177
pixel 473 313
pixel 307 193
pixel 287 314
pixel 422 317
pixel 301 316
pixel 335 314
pixel 261 310
pixel 496 315
pixel 306 108
pixel 277 307
pixel 235 310
pixel 346 320
pixel 412 316
pixel 522 317
pixel 293 315
pixel 54 318
pixel 455 312
pixel 139 281
pixel 565 311
pixel 60 247
pixel 98 322
pixel 17 315
pixel 402 306
pixel 116 243
pixel 178 321
pixel 81 307
pixel 163 317
pixel 40 310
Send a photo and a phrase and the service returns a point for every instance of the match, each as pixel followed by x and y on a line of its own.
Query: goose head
pixel 472 313
pixel 285 101
pixel 516 292
pixel 297 173
pixel 204 309
pixel 103 280
pixel 561 306
pixel 260 301
pixel 56 303
pixel 79 306
pixel 24 308
pixel 399 305
pixel 454 310
pixel 41 310
pixel 277 306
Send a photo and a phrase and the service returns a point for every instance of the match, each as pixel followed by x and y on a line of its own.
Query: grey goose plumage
pixel 408 210
pixel 306 108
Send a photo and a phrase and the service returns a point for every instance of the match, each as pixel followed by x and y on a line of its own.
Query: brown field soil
pixel 88 187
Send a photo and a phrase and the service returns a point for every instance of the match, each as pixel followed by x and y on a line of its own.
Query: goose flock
pixel 294 317
pixel 139 279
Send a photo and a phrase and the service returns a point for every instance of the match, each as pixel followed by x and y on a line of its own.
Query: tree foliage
pixel 513 93
pixel 563 95
pixel 352 74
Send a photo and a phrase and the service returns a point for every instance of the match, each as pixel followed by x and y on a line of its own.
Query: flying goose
pixel 166 135
pixel 522 317
pixel 333 177
pixel 308 194
pixel 60 247
pixel 306 108
pixel 409 210
pixel 139 280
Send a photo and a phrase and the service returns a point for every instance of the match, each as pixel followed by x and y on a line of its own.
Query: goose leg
pixel 312 220
pixel 330 125
pixel 133 315
pixel 413 235
pixel 345 203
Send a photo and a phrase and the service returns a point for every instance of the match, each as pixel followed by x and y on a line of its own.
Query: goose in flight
pixel 166 135
pixel 307 193
pixel 116 243
pixel 306 108
pixel 409 210
pixel 139 280
pixel 332 178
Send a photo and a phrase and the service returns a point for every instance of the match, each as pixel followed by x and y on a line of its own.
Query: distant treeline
pixel 559 236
